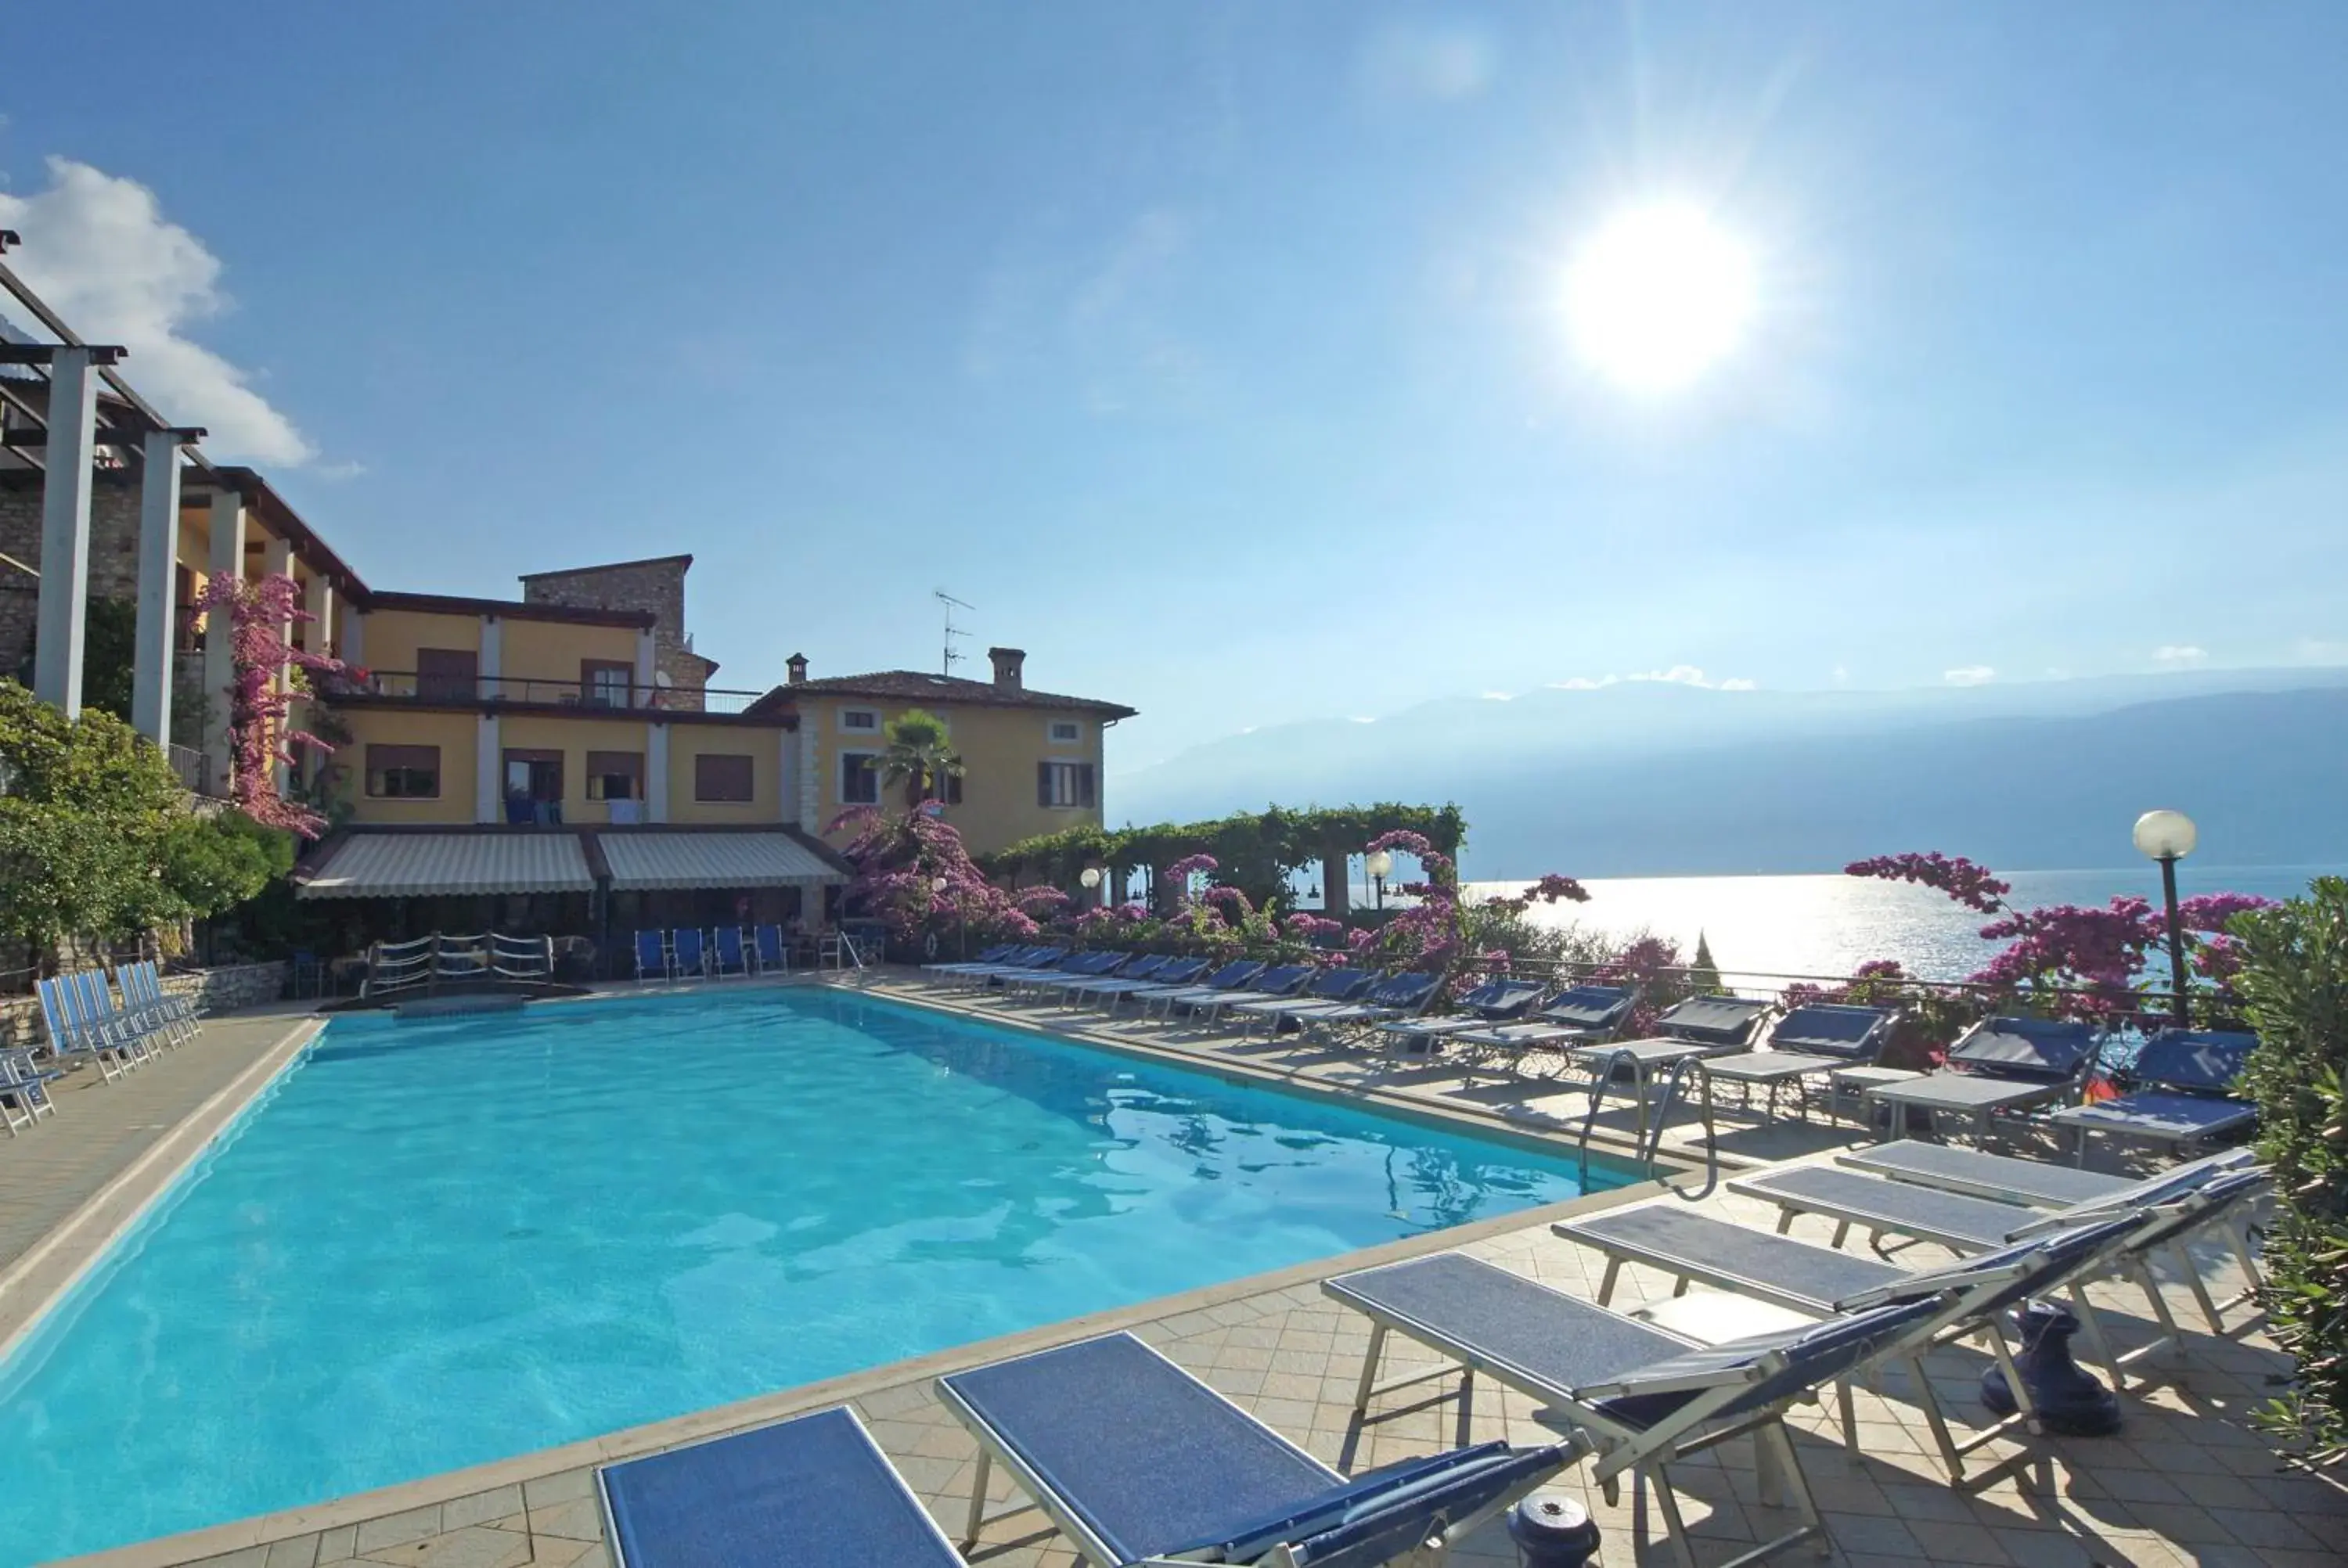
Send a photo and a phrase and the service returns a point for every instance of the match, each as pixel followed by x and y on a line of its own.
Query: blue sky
pixel 1216 353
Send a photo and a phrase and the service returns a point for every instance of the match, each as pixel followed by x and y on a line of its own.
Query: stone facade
pixel 113 550
pixel 223 990
pixel 655 585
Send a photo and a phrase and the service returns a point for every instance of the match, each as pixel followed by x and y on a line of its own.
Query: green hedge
pixel 2294 990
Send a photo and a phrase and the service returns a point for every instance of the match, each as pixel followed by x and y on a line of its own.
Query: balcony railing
pixel 619 696
pixel 194 770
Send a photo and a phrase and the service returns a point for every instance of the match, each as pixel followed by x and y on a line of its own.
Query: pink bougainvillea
pixel 260 737
pixel 914 873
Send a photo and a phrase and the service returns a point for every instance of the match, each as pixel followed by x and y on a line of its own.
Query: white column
pixel 220 663
pixel 488 770
pixel 318 599
pixel 277 560
pixel 647 668
pixel 810 779
pixel 352 629
pixel 492 662
pixel 65 529
pixel 787 776
pixel 656 773
pixel 159 587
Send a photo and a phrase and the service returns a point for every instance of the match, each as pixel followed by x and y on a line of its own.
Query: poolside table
pixel 1976 1097
pixel 1847 1086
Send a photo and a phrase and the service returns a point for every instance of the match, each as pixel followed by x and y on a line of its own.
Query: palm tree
pixel 919 755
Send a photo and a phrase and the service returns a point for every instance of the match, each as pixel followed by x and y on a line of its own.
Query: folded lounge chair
pixel 1137 1461
pixel 1579 1013
pixel 1812 1039
pixel 2206 1194
pixel 1646 1397
pixel 2002 1064
pixel 2178 1093
pixel 1780 1272
pixel 731 956
pixel 652 957
pixel 1492 1003
pixel 689 956
pixel 810 1492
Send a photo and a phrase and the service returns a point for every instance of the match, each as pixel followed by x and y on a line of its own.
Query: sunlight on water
pixel 1829 925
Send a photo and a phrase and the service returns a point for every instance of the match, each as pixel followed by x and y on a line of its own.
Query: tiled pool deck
pixel 2186 1482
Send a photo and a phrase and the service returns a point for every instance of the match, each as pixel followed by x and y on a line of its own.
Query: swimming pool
pixel 435 1243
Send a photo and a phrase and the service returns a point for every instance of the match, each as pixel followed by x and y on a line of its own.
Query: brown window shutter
pixel 1043 783
pixel 1085 795
pixel 381 757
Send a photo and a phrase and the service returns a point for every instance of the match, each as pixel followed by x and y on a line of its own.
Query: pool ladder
pixel 1647 1139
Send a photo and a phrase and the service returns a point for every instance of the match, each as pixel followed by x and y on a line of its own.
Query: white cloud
pixel 2179 654
pixel 1968 675
pixel 1738 684
pixel 1426 63
pixel 1841 676
pixel 1678 675
pixel 2320 651
pixel 1499 696
pixel 100 251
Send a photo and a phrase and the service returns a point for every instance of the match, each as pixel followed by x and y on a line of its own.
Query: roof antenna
pixel 949 603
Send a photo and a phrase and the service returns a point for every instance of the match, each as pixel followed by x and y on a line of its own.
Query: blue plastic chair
pixel 767 948
pixel 731 958
pixel 652 959
pixel 689 954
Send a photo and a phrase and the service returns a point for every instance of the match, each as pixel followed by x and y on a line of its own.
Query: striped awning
pixel 644 862
pixel 425 865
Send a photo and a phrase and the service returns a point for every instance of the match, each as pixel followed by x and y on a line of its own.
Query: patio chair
pixel 67 1040
pixel 769 952
pixel 1330 988
pixel 814 1492
pixel 93 1007
pixel 1496 1001
pixel 1645 1396
pixel 2207 1194
pixel 688 954
pixel 1999 1065
pixel 2178 1094
pixel 1575 1015
pixel 1234 976
pixel 1780 1273
pixel 1137 1461
pixel 1811 1040
pixel 1174 972
pixel 1399 995
pixel 652 957
pixel 730 955
pixel 182 1011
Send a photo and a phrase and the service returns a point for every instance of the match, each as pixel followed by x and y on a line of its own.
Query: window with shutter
pixel 403 772
pixel 719 777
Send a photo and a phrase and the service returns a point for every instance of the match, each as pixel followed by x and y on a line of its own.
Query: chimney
pixel 796 669
pixel 1007 663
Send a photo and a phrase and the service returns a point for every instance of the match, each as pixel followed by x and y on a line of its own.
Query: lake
pixel 1829 925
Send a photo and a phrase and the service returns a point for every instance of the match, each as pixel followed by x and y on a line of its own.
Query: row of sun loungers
pixel 726 951
pixel 118 1028
pixel 1136 1462
pixel 2002 1067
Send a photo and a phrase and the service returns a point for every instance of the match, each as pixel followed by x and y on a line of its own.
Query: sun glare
pixel 1659 296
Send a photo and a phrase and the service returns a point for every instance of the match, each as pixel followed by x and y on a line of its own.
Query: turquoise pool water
pixel 435 1243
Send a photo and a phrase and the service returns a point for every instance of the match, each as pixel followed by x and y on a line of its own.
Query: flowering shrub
pixel 914 876
pixel 2069 957
pixel 259 735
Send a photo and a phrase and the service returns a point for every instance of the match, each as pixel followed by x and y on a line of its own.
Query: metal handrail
pixel 628 697
pixel 1597 1097
pixel 1672 1088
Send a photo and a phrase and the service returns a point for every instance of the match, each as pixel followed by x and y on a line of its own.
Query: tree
pixel 920 756
pixel 109 646
pixel 1703 974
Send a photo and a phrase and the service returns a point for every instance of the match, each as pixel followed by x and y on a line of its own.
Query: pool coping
pixel 129 1197
pixel 40 1279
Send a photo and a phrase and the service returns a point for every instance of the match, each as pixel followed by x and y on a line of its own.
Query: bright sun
pixel 1659 296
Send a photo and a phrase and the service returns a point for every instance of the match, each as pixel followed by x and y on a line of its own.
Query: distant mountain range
pixel 1655 778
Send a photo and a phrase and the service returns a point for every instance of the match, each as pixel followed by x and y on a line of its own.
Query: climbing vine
pixel 261 736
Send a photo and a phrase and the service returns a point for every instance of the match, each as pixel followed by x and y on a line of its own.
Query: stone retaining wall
pixel 223 990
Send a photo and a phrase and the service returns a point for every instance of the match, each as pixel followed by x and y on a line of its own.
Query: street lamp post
pixel 1091 878
pixel 1377 865
pixel 2168 836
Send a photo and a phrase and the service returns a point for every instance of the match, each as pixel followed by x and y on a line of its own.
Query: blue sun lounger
pixel 1206 1003
pixel 1330 988
pixel 1645 1397
pixel 1574 1016
pixel 1813 1039
pixel 2177 1095
pixel 1137 1461
pixel 1230 979
pixel 1140 969
pixel 652 957
pixel 1486 1006
pixel 25 1091
pixel 1096 965
pixel 985 955
pixel 1395 997
pixel 2001 1065
pixel 1780 1272
pixel 810 1492
pixel 1173 972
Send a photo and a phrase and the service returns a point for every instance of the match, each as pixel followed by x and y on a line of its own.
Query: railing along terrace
pixel 194 768
pixel 623 696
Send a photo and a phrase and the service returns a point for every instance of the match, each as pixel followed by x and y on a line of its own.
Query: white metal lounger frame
pixel 1642 1452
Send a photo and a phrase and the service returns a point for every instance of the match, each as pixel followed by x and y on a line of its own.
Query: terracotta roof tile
pixel 915 686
